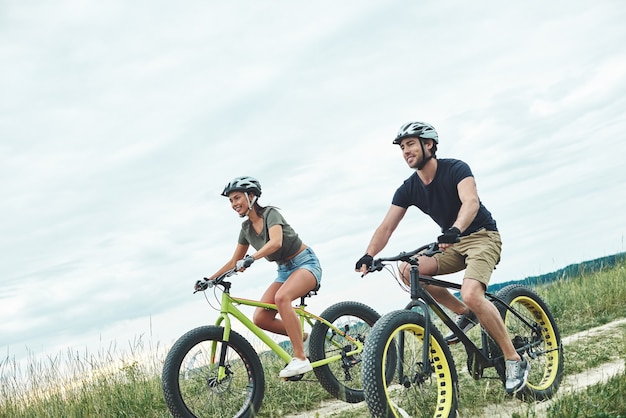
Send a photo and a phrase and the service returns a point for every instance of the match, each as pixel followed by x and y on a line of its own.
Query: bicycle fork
pixel 427 369
pixel 221 365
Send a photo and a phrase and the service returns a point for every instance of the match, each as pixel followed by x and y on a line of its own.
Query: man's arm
pixel 383 232
pixel 469 203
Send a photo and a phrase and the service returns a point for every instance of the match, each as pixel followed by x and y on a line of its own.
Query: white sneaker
pixel 296 367
pixel 516 375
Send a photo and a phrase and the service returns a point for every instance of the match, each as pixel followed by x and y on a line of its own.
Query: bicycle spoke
pixel 535 335
pixel 419 389
pixel 195 385
pixel 342 378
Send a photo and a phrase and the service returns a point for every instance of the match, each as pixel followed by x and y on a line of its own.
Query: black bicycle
pixel 425 379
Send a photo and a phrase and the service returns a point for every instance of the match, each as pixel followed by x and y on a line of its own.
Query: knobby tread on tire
pixel 546 353
pixel 190 385
pixel 417 395
pixel 356 320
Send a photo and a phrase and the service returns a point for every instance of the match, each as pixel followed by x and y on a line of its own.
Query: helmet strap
pixel 424 158
pixel 250 204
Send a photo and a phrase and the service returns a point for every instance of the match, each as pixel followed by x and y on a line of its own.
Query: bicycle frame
pixel 410 368
pixel 420 298
pixel 229 308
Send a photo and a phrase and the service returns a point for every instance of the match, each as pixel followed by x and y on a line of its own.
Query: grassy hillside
pixel 571 271
pixel 117 384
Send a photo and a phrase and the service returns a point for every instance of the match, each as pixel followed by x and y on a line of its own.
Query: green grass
pixel 126 383
pixel 602 401
pixel 588 301
pixel 72 384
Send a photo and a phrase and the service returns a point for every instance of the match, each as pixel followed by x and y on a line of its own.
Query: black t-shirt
pixel 440 199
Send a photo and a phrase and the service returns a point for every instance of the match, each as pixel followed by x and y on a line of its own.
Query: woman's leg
pixel 299 283
pixel 266 319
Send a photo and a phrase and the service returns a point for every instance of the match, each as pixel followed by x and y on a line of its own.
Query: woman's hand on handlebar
pixel 201 285
pixel 244 263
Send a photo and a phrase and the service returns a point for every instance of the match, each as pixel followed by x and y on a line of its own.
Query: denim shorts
pixel 305 260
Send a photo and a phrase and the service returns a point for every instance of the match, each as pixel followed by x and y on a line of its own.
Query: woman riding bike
pixel 299 270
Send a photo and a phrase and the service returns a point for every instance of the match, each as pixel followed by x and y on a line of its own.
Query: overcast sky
pixel 122 122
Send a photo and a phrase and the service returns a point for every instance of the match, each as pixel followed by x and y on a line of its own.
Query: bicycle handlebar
pixel 427 250
pixel 202 285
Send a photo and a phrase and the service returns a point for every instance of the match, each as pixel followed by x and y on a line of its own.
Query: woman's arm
pixel 240 252
pixel 274 243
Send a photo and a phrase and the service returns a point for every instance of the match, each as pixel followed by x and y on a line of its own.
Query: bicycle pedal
pixel 295 378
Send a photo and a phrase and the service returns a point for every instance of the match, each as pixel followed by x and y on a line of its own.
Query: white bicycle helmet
pixel 243 184
pixel 418 130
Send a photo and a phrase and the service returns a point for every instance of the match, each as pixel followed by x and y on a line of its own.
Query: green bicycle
pixel 213 371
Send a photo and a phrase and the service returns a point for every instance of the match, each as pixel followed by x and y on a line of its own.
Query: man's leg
pixel 428 267
pixel 517 369
pixel 473 294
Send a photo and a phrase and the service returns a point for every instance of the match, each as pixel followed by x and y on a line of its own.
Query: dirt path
pixel 570 384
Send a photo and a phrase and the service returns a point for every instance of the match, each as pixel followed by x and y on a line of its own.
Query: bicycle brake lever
pixel 377 265
pixel 432 250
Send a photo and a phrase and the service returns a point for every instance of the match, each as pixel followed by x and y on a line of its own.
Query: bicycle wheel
pixel 192 386
pixel 342 379
pixel 416 392
pixel 539 342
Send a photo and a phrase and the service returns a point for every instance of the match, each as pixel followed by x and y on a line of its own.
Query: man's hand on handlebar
pixel 364 264
pixel 451 236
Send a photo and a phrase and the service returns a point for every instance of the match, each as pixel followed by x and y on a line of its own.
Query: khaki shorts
pixel 477 254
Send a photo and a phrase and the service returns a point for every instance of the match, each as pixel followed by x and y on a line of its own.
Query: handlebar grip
pixel 247 261
pixel 202 285
pixel 377 265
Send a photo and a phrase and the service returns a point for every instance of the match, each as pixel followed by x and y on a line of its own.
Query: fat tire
pixel 332 377
pixel 247 360
pixel 546 368
pixel 381 340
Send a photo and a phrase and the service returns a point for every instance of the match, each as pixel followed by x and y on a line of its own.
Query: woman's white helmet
pixel 417 130
pixel 243 184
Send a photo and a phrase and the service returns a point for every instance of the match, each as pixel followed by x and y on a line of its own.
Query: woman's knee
pixel 284 299
pixel 281 299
